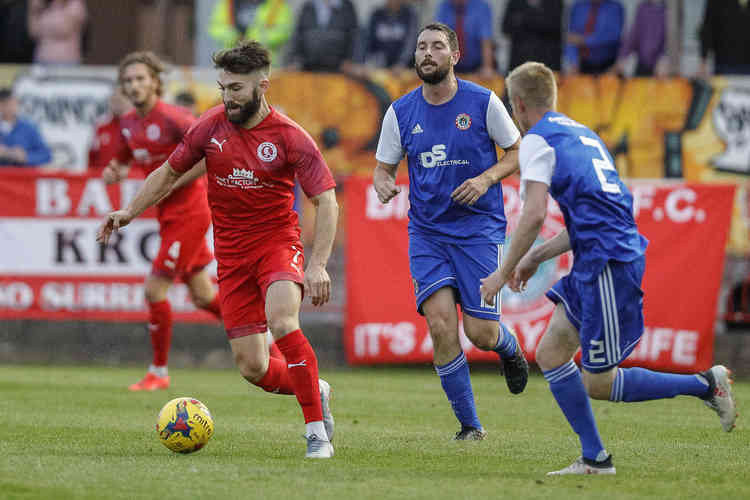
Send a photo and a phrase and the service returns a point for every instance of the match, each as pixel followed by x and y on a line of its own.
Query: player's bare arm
pixel 317 281
pixel 532 217
pixel 154 188
pixel 384 181
pixel 472 189
pixel 198 170
pixel 115 172
pixel 528 265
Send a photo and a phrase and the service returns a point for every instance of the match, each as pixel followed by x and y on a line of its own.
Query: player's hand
pixel 525 269
pixel 317 284
pixel 471 190
pixel 490 286
pixel 114 221
pixel 385 186
pixel 111 173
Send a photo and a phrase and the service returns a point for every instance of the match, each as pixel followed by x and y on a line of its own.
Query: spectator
pixel 108 139
pixel 325 36
pixel 390 35
pixel 16 46
pixel 594 35
pixel 725 34
pixel 647 39
pixel 186 99
pixel 20 140
pixel 472 22
pixel 57 26
pixel 267 21
pixel 535 31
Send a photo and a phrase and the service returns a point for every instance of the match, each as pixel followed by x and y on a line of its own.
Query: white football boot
pixel 582 467
pixel 720 397
pixel 325 404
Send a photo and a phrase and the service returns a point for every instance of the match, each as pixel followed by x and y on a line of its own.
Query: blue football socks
pixel 566 385
pixel 638 384
pixel 506 343
pixel 454 377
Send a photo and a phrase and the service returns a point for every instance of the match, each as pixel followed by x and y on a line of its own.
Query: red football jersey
pixel 149 141
pixel 251 176
pixel 107 143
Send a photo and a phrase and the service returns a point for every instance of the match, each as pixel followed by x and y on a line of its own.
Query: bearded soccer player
pixel 252 155
pixel 448 129
pixel 150 132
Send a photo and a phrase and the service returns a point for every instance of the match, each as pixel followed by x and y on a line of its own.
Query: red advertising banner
pixel 51 266
pixel 687 225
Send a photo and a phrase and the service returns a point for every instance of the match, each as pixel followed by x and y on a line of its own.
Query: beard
pixel 437 76
pixel 246 111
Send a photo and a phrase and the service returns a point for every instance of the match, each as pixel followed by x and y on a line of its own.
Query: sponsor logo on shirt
pixel 438 158
pixel 267 152
pixel 240 178
pixel 463 121
pixel 153 132
pixel 417 129
pixel 220 144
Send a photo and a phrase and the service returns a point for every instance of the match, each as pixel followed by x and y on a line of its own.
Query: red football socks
pixel 303 372
pixel 214 308
pixel 160 328
pixel 274 352
pixel 276 378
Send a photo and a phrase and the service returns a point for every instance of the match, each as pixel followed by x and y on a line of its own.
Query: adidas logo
pixel 241 172
pixel 417 129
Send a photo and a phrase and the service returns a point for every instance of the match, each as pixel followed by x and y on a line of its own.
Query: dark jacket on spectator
pixel 321 46
pixel 535 31
pixel 725 33
pixel 391 37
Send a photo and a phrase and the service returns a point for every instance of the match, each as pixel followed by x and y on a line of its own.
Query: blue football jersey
pixel 596 205
pixel 445 145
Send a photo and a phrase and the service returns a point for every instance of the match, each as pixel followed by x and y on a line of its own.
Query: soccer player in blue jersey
pixel 448 129
pixel 600 303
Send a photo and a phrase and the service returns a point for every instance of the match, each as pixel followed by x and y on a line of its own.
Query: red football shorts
pixel 184 250
pixel 243 283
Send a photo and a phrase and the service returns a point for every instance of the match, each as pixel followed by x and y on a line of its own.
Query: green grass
pixel 73 432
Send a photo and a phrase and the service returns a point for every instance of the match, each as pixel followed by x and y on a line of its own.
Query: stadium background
pixel 685 135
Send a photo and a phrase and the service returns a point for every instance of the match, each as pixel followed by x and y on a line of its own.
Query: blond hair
pixel 534 83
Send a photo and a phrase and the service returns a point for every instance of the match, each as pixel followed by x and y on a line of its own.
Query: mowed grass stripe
pixel 76 432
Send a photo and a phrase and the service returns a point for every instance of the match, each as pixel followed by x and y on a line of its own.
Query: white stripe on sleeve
pixel 501 128
pixel 389 150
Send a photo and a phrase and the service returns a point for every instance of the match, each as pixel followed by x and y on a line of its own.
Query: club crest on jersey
pixel 463 121
pixel 267 152
pixel 153 132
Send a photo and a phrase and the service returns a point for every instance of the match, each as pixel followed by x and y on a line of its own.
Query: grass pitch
pixel 76 433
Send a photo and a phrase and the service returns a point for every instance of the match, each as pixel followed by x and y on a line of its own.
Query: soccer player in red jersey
pixel 252 155
pixel 150 132
pixel 108 141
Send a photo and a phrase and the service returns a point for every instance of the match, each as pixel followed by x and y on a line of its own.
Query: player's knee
pixel 439 324
pixel 201 301
pixel 153 294
pixel 548 356
pixel 483 338
pixel 597 386
pixel 282 324
pixel 252 367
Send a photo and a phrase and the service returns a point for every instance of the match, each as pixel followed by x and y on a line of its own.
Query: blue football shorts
pixel 608 312
pixel 436 264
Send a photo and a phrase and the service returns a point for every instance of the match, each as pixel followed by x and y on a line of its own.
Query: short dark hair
pixel 449 33
pixel 152 62
pixel 245 57
pixel 5 93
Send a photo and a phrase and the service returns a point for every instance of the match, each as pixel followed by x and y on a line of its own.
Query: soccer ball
pixel 184 425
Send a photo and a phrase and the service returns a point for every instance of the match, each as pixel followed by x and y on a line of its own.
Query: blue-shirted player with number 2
pixel 600 303
pixel 448 129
